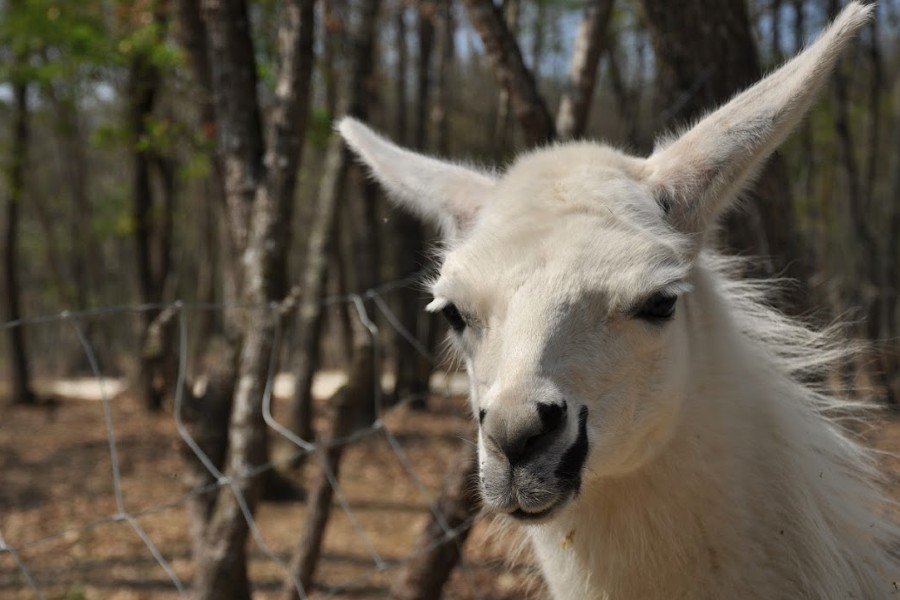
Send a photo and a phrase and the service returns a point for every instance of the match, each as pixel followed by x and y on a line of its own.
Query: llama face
pixel 563 303
pixel 559 277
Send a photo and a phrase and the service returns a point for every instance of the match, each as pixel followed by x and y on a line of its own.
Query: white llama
pixel 642 413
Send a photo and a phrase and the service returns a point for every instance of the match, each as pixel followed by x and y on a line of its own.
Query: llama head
pixel 562 277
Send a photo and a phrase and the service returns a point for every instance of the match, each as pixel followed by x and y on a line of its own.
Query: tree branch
pixel 509 67
pixel 590 42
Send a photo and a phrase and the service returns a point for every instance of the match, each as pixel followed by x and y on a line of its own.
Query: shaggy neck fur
pixel 756 496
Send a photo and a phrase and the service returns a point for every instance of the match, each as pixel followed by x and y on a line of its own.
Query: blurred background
pixel 218 379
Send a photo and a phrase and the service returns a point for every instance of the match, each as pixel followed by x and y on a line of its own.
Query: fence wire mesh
pixel 36 545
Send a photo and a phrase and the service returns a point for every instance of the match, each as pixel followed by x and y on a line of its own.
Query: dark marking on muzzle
pixel 572 462
pixel 481 414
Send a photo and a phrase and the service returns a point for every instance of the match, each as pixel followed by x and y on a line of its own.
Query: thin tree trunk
pixel 806 142
pixel 510 70
pixel 332 51
pixel 892 254
pixel 358 396
pixel 877 88
pixel 425 575
pixel 444 96
pixel 537 37
pixel 322 235
pixel 54 255
pixel 85 252
pixel 402 51
pixel 348 402
pixel 881 327
pixel 501 134
pixel 775 40
pixel 310 312
pixel 625 97
pixel 259 189
pixel 221 567
pixel 22 392
pixel 590 41
pixel 869 253
pixel 412 375
pixel 144 84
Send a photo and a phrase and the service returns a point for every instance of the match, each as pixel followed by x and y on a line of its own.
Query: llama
pixel 641 411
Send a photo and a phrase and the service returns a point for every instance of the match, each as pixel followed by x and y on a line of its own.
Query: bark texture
pixel 413 372
pixel 152 218
pixel 873 255
pixel 590 42
pixel 506 57
pixel 259 186
pixel 347 403
pixel 322 234
pixel 22 392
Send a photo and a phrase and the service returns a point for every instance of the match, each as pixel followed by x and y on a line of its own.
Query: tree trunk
pixel 775 40
pixel 150 235
pixel 444 84
pixel 259 189
pixel 85 254
pixel 321 238
pixel 22 392
pixel 590 41
pixel 510 70
pixel 193 38
pixel 500 141
pixel 412 375
pixel 424 576
pixel 627 98
pixel 311 312
pixel 869 253
pixel 348 402
pixel 705 53
pixel 892 253
pixel 402 51
pixel 538 33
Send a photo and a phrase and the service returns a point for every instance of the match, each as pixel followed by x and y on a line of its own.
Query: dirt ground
pixel 57 499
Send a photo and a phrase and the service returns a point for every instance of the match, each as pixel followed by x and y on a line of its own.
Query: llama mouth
pixel 541 515
pixel 521 515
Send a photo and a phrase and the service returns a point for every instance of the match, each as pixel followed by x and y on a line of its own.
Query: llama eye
pixel 659 307
pixel 454 318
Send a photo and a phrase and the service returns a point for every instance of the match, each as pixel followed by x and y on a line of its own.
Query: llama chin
pixel 642 412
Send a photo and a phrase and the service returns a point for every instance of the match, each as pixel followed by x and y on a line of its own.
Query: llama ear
pixel 440 192
pixel 697 176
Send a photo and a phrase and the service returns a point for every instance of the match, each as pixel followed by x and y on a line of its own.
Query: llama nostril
pixel 539 436
pixel 551 415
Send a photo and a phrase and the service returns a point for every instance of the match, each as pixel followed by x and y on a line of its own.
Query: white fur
pixel 715 469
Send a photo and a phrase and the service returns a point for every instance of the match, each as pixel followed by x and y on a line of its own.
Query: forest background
pixel 173 163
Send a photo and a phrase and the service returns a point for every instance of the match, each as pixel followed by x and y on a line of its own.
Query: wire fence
pixel 366 537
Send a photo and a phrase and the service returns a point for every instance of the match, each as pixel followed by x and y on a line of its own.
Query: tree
pixel 874 254
pixel 509 68
pixel 357 399
pixel 22 392
pixel 259 182
pixel 571 119
pixel 153 219
pixel 413 371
